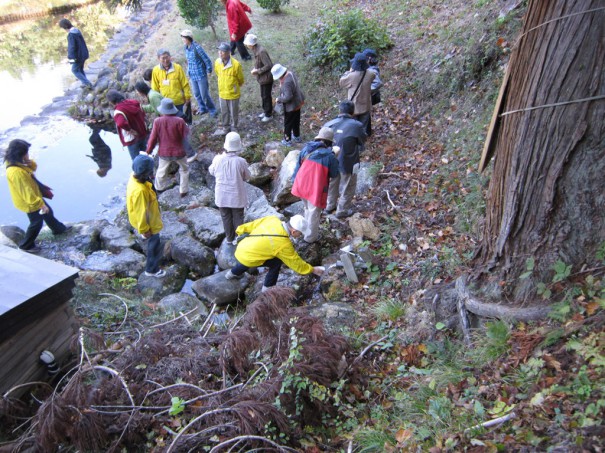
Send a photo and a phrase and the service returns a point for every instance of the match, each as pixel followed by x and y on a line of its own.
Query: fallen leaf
pixel 403 435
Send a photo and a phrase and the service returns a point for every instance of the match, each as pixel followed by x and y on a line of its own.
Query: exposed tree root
pixel 488 310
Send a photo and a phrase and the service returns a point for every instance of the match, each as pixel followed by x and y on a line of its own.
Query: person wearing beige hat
pixel 267 242
pixel 230 171
pixel 316 165
pixel 292 99
pixel 262 72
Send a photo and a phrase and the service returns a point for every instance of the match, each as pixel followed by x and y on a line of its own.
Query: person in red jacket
pixel 130 120
pixel 169 132
pixel 238 24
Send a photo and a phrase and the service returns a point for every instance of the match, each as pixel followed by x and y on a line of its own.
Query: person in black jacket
pixel 77 52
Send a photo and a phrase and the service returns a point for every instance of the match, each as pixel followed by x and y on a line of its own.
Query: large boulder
pixel 174 225
pixel 363 227
pixel 207 225
pixel 171 283
pixel 336 316
pixel 127 263
pixel 181 303
pixel 191 253
pixel 11 235
pixel 366 178
pixel 225 257
pixel 115 239
pixel 260 174
pixel 281 187
pixel 258 205
pixel 294 209
pixel 216 289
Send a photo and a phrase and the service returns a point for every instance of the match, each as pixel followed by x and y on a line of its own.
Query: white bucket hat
pixel 299 223
pixel 233 142
pixel 278 71
pixel 187 34
pixel 250 40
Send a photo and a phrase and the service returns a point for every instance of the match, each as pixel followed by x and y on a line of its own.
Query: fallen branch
pixel 498 311
pixel 494 422
pixel 26 384
pixel 125 308
pixel 239 439
pixel 208 318
pixel 359 357
pixel 192 422
pixel 390 201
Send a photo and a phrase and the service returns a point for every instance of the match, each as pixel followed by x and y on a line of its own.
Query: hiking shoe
pixel 184 194
pixel 159 274
pixel 261 115
pixel 220 131
pixel 66 230
pixel 330 210
pixel 192 159
pixel 343 214
pixel 297 139
pixel 231 276
pixel 286 142
pixel 34 249
pixel 266 119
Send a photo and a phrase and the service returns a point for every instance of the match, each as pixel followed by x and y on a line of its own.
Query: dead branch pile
pixel 174 390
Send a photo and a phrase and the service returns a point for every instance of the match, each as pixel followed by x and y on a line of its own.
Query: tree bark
pixel 546 198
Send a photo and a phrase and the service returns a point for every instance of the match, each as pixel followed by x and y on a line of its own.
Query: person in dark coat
pixel 349 136
pixel 101 152
pixel 77 52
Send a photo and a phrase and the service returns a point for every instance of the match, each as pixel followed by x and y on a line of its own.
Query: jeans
pixel 35 225
pixel 154 253
pixel 274 265
pixel 78 70
pixel 232 218
pixel 292 124
pixel 202 96
pixel 265 95
pixel 139 145
pixel 241 48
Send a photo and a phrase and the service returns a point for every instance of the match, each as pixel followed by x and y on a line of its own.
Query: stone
pixel 127 263
pixel 260 174
pixel 335 315
pixel 347 263
pixel 281 187
pixel 366 178
pixel 258 205
pixel 216 289
pixel 274 158
pixel 225 257
pixel 174 226
pixel 294 209
pixel 362 227
pixel 11 235
pixel 188 252
pixel 115 239
pixel 207 225
pixel 171 283
pixel 181 303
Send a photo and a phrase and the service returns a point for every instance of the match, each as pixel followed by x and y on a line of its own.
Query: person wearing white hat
pixel 199 67
pixel 316 165
pixel 230 171
pixel 262 72
pixel 292 99
pixel 266 242
pixel 170 133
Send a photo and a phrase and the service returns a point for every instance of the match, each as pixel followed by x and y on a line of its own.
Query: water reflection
pixel 101 152
pixel 62 150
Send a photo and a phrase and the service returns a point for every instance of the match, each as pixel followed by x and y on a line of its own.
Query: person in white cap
pixel 230 171
pixel 267 243
pixel 199 67
pixel 316 164
pixel 170 133
pixel 292 99
pixel 262 72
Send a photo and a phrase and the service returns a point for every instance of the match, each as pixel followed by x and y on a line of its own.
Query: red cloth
pixel 311 183
pixel 132 120
pixel 237 20
pixel 169 132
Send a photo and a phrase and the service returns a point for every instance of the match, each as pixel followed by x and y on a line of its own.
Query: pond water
pixel 37 73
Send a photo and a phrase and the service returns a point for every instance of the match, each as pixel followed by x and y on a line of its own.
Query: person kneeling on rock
pixel 144 212
pixel 267 242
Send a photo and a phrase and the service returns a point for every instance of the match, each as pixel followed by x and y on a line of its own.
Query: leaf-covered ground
pixel 401 379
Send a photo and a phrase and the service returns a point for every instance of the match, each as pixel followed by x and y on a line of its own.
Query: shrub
pixel 338 35
pixel 272 5
pixel 200 14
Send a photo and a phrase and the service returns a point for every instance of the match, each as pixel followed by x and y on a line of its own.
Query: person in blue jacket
pixel 77 52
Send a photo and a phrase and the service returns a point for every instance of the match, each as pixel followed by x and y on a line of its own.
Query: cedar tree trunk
pixel 546 197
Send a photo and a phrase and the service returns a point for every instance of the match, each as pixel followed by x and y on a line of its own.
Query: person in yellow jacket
pixel 266 242
pixel 170 81
pixel 144 212
pixel 230 79
pixel 27 196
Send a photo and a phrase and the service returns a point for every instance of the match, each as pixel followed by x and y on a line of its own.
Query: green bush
pixel 272 5
pixel 200 14
pixel 338 35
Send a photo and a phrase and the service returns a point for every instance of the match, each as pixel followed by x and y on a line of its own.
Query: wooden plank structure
pixel 35 315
